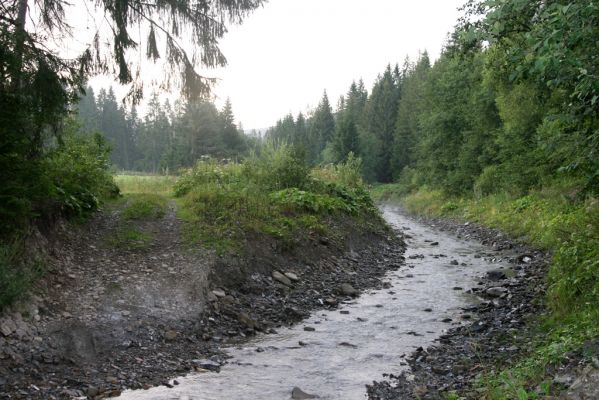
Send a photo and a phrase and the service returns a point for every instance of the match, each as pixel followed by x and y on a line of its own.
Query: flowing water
pixel 346 351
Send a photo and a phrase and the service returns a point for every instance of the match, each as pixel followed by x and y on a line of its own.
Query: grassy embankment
pixel 223 206
pixel 550 219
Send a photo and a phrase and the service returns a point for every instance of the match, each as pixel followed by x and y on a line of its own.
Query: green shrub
pixel 272 193
pixel 489 181
pixel 277 167
pixel 79 172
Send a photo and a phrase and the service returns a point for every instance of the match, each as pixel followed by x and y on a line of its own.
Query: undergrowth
pixel 555 219
pixel 273 193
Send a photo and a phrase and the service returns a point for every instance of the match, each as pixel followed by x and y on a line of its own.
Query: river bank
pixel 560 352
pixel 511 300
pixel 109 317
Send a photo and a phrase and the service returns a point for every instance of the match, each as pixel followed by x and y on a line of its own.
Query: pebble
pixel 279 277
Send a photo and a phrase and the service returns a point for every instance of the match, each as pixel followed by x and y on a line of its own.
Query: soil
pixel 107 318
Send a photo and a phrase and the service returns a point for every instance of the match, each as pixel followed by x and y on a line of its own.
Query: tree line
pixel 167 137
pixel 510 105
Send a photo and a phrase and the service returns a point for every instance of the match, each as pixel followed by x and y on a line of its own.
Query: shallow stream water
pixel 355 344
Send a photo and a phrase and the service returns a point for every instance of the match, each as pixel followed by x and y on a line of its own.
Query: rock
pixel 92 391
pixel 496 275
pixel 434 243
pixel 309 329
pixel 347 344
pixel 348 290
pixel 292 276
pixel 279 277
pixel 454 262
pixel 207 364
pixel 496 291
pixel 330 301
pixel 247 320
pixel 219 293
pixel 299 394
pixel 211 297
pixel 344 312
pixel 170 335
pixel 7 326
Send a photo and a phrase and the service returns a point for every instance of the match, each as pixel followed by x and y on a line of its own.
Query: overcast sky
pixel 284 55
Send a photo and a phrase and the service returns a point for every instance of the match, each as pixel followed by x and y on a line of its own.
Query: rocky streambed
pixel 439 294
pixel 430 323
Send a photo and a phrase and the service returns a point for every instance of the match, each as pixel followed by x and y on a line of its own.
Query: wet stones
pixel 7 326
pixel 348 290
pixel 299 394
pixel 496 275
pixel 279 277
pixel 293 277
pixel 207 364
pixel 496 291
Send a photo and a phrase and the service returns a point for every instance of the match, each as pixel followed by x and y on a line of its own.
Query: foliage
pixel 144 206
pixel 168 137
pixel 71 178
pixel 271 194
pixel 152 184
pixel 78 172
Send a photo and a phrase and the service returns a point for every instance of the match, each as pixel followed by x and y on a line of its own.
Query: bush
pixel 78 170
pixel 277 167
pixel 488 182
pixel 272 193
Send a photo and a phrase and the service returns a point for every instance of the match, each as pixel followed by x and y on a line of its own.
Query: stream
pixel 362 339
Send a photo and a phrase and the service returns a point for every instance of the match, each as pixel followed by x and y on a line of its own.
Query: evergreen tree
pixel 232 138
pixel 413 102
pixel 346 139
pixel 322 127
pixel 381 113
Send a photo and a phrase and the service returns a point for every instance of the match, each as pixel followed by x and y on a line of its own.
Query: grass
pixel 550 219
pixel 130 238
pixel 148 184
pixel 273 195
pixel 144 206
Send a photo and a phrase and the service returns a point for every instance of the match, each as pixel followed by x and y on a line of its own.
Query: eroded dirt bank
pixel 106 317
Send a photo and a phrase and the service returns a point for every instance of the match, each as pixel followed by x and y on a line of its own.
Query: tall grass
pixel 273 193
pixel 155 184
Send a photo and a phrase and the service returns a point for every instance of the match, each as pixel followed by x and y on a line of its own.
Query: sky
pixel 284 55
